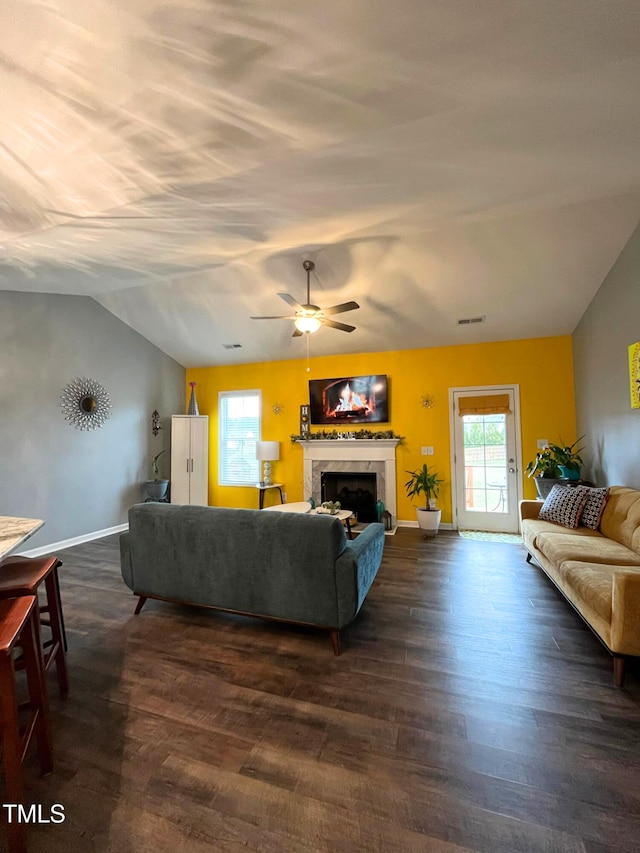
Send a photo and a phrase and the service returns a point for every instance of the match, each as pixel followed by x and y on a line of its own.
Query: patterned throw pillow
pixel 594 507
pixel 564 505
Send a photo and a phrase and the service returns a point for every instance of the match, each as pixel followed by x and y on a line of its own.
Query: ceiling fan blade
pixel 288 298
pixel 340 309
pixel 273 318
pixel 334 325
pixel 297 334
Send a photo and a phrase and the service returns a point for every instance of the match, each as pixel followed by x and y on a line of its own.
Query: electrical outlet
pixel 429 451
pixel 425 450
pixel 542 443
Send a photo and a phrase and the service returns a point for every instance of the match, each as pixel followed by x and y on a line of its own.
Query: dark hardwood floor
pixel 471 709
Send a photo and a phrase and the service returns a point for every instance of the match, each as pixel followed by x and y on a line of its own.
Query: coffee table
pixel 295 506
pixel 345 515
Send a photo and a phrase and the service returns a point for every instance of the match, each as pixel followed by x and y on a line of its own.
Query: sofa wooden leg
pixel 528 557
pixel 619 662
pixel 141 602
pixel 335 640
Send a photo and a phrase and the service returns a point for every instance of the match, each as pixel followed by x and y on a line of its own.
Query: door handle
pixel 187 466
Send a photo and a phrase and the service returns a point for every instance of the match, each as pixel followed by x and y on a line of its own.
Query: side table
pixel 264 488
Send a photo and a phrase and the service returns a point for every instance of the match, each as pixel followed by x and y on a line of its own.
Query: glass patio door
pixel 485 471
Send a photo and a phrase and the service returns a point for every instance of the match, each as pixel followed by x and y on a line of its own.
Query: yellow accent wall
pixel 542 367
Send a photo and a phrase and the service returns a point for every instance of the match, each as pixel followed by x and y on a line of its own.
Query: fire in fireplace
pixel 355 491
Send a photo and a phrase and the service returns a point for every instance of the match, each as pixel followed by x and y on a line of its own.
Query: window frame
pixel 224 396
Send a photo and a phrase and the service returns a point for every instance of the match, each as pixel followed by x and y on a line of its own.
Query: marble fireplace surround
pixel 356 455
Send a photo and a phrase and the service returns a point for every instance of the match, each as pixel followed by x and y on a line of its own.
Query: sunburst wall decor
pixel 85 404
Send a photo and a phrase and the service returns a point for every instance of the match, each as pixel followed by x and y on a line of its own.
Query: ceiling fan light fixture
pixel 307 325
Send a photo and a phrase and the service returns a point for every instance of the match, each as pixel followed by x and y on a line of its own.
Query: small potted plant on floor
pixel 156 488
pixel 427 483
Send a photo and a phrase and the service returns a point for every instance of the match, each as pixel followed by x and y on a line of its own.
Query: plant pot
pixel 429 520
pixel 156 489
pixel 569 473
pixel 545 484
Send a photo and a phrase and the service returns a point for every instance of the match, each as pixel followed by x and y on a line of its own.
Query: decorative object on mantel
pixel 85 404
pixel 304 420
pixel 193 403
pixel 359 434
pixel 426 400
pixel 155 422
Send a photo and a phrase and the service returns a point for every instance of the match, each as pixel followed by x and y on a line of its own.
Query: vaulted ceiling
pixel 437 159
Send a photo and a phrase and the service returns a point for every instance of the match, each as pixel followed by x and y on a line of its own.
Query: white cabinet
pixel 190 459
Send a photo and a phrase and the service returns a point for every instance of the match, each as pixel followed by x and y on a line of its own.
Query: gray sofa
pixel 277 565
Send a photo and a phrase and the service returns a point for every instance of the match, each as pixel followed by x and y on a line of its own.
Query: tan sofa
pixel 598 571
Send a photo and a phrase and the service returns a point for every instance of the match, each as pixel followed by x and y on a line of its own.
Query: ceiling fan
pixel 308 318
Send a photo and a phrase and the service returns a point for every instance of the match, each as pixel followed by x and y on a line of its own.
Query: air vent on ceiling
pixel 232 346
pixel 467 321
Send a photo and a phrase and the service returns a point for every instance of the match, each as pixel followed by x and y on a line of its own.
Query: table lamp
pixel 267 452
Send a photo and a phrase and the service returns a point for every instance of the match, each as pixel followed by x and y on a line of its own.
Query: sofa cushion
pixel 594 507
pixel 558 547
pixel 621 517
pixel 591 583
pixel 533 527
pixel 564 505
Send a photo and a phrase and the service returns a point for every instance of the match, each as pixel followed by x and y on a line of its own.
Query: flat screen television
pixel 349 400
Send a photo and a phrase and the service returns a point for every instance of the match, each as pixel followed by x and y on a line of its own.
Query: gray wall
pixel 600 347
pixel 77 481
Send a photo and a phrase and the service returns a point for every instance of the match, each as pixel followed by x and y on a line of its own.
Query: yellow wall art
pixel 634 374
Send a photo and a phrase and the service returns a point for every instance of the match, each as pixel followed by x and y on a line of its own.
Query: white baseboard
pixel 444 525
pixel 76 540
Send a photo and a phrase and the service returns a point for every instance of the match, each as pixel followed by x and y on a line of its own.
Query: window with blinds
pixel 238 431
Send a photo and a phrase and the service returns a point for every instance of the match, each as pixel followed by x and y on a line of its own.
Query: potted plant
pixel 156 488
pixel 555 462
pixel 427 483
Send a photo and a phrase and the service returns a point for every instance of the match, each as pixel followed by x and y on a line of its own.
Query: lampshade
pixel 307 324
pixel 268 451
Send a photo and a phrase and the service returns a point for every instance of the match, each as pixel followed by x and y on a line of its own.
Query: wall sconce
pixel 267 452
pixel 427 401
pixel 155 422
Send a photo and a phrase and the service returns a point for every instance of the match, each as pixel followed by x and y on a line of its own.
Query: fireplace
pixel 356 492
pixel 354 456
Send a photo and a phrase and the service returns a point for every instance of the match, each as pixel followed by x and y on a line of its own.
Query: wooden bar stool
pixel 23 576
pixel 19 626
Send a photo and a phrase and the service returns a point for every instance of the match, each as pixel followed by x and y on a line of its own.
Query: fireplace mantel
pixel 375 454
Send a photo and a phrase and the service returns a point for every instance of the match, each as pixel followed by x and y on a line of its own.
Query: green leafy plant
pixel 154 465
pixel 424 482
pixel 548 460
